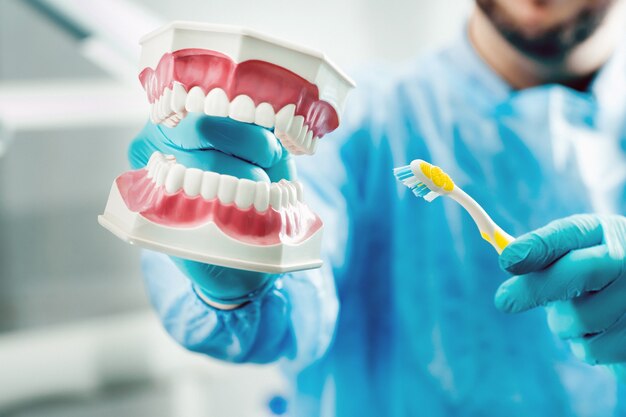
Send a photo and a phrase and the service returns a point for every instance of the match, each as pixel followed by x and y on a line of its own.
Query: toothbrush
pixel 429 182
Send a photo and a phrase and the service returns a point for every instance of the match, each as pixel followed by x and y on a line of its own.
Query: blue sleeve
pixel 294 320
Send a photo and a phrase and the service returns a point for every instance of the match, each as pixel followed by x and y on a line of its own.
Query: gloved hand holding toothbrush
pixel 228 147
pixel 576 268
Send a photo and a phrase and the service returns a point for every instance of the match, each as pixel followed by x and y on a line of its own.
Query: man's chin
pixel 551 44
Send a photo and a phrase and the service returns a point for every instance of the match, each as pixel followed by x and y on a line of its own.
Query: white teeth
pixel 227 189
pixel 262 196
pixel 169 123
pixel 154 108
pixel 283 119
pixel 284 195
pixel 313 146
pixel 165 107
pixel 275 196
pixel 293 148
pixel 153 162
pixel 210 182
pixel 155 171
pixel 179 96
pixel 299 190
pixel 307 141
pixel 295 127
pixel 290 190
pixel 159 166
pixel 175 178
pixel 264 115
pixel 161 174
pixel 302 135
pixel 174 118
pixel 242 109
pixel 289 128
pixel 193 182
pixel 292 132
pixel 245 193
pixel 195 100
pixel 216 103
pixel 161 114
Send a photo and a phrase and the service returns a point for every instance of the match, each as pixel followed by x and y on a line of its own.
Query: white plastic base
pixel 207 243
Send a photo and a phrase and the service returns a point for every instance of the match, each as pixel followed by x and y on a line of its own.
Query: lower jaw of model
pixel 213 218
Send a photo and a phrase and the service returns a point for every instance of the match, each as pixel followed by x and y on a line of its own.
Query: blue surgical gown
pixel 400 321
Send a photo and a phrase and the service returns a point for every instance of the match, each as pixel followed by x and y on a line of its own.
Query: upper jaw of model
pixel 234 72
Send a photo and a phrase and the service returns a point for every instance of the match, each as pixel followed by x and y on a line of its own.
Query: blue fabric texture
pixel 401 321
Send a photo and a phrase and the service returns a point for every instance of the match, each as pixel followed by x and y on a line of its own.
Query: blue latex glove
pixel 576 268
pixel 222 145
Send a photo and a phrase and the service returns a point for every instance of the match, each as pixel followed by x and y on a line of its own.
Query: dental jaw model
pixel 219 219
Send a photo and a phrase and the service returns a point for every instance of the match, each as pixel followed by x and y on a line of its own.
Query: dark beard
pixel 552 44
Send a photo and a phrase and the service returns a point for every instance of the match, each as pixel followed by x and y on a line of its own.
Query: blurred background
pixel 77 336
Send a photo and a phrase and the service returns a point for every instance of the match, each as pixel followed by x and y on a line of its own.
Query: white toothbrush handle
pixel 489 230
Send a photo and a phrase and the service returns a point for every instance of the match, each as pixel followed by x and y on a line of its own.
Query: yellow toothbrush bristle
pixel 437 176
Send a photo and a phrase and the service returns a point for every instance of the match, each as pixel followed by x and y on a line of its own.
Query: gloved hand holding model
pixel 576 267
pixel 260 330
pixel 214 182
pixel 228 147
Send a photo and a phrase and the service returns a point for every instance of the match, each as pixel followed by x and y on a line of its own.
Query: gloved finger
pixel 604 348
pixel 588 314
pixel 165 284
pixel 207 160
pixel 246 141
pixel 225 285
pixel 142 147
pixel 284 169
pixel 580 271
pixel 536 250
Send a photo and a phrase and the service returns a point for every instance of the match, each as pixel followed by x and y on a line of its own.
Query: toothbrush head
pixel 424 180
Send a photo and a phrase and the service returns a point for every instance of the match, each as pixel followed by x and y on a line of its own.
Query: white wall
pixel 349 31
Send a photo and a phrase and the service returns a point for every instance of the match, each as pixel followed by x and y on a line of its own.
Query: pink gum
pixel 260 80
